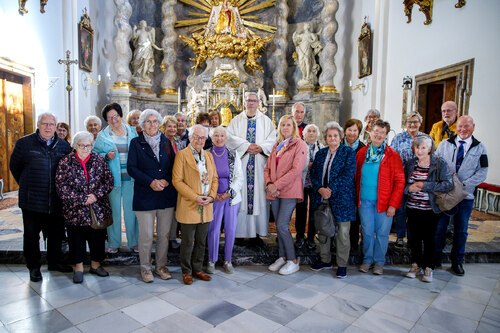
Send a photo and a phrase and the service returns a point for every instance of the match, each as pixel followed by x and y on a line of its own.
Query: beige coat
pixel 186 180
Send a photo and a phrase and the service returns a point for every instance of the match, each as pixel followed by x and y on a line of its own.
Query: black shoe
pixel 60 268
pixel 77 277
pixel 458 269
pixel 310 244
pixel 35 275
pixel 299 243
pixel 99 271
pixel 342 272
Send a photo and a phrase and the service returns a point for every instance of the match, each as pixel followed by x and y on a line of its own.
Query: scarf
pixel 154 143
pixel 84 164
pixel 354 145
pixel 282 145
pixel 202 170
pixel 374 154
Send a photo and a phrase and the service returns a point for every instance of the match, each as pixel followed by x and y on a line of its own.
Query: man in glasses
pixel 33 164
pixel 253 135
pixel 445 128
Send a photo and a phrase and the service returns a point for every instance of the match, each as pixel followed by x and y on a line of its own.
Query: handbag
pixel 96 224
pixel 324 221
pixel 447 200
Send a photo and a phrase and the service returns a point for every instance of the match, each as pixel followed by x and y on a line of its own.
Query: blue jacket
pixel 340 181
pixel 144 167
pixel 438 180
pixel 104 144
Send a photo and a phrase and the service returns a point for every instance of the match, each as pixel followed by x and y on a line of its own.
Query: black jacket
pixel 33 165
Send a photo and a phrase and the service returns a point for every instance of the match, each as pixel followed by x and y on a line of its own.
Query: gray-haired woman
pixel 93 124
pixel 154 195
pixel 83 179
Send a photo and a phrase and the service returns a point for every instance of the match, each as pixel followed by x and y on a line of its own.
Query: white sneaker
pixel 427 275
pixel 274 267
pixel 211 267
pixel 228 267
pixel 289 268
pixel 414 270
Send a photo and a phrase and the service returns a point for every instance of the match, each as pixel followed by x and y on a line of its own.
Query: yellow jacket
pixel 437 129
pixel 186 180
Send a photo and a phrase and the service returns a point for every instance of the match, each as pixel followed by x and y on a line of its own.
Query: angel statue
pixel 307 47
pixel 195 102
pixel 143 39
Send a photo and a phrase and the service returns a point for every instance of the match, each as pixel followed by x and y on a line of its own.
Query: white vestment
pixel 257 222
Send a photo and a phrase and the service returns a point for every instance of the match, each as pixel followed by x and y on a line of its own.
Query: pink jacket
pixel 287 175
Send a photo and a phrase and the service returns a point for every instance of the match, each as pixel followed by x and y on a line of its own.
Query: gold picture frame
pixel 85 43
pixel 365 51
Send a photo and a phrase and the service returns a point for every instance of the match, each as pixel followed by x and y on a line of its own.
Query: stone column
pixel 279 55
pixel 121 42
pixel 168 89
pixel 327 38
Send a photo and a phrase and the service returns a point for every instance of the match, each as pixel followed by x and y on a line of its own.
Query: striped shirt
pixel 419 200
pixel 121 143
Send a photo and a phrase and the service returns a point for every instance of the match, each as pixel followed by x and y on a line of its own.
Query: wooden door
pixel 12 123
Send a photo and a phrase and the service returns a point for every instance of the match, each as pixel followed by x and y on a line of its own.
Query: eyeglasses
pixel 448 111
pixel 152 122
pixel 116 116
pixel 197 137
pixel 252 100
pixel 413 122
pixel 48 124
pixel 84 147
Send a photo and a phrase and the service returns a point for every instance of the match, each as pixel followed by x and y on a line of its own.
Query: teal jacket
pixel 104 144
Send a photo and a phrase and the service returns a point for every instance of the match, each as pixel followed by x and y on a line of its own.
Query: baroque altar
pixel 200 55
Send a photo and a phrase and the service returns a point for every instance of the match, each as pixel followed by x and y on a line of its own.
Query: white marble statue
pixel 196 102
pixel 143 39
pixel 307 47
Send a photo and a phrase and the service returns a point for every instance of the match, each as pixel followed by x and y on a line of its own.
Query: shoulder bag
pixel 323 220
pixel 446 201
pixel 96 224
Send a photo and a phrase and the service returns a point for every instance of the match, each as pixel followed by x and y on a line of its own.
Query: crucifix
pixel 67 63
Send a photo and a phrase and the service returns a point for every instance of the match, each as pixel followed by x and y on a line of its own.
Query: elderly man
pixel 33 164
pixel 466 156
pixel 252 135
pixel 445 128
pixel 182 137
pixel 299 113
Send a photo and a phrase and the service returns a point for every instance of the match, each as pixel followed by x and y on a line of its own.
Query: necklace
pixel 424 165
pixel 223 152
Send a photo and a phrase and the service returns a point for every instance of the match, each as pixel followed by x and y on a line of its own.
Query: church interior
pixel 340 58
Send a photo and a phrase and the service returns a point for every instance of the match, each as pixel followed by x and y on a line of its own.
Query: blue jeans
pixel 121 197
pixel 461 215
pixel 375 228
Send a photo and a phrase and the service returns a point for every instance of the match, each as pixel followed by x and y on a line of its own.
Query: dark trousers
pixel 422 226
pixel 301 213
pixel 77 240
pixel 52 226
pixel 194 240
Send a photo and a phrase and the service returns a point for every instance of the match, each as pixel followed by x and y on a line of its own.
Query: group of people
pixel 166 179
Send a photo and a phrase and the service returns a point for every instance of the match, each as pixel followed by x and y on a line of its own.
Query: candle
pixel 179 98
pixel 350 83
pixel 274 98
pixel 99 78
pixel 208 93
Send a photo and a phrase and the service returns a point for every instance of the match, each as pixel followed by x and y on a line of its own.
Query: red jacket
pixel 287 175
pixel 391 179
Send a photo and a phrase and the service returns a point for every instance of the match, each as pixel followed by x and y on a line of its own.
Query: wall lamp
pixel 363 86
pixel 87 81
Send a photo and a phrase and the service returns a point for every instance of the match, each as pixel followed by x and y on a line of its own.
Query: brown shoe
pixel 163 273
pixel 202 276
pixel 187 278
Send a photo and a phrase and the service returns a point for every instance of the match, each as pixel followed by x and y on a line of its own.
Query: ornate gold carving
pixel 460 3
pixel 168 91
pixel 122 85
pixel 281 92
pixel 328 90
pixel 223 79
pixel 426 8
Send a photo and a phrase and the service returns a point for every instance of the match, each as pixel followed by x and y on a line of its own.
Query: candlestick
pixel 208 92
pixel 274 105
pixel 179 99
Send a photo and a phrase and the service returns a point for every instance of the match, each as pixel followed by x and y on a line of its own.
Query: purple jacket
pixel 73 189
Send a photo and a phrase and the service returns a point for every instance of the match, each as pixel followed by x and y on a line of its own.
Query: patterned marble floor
pixel 252 300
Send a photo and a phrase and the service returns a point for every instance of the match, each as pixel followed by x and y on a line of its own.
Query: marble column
pixel 168 89
pixel 122 47
pixel 327 38
pixel 279 55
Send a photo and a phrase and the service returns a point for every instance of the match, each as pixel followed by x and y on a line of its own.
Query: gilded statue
pixel 143 39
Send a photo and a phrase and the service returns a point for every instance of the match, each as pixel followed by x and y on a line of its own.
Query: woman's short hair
pixel 146 114
pixel 66 127
pixel 201 117
pixel 219 128
pixel 89 118
pixel 109 107
pixel 356 122
pixel 193 128
pixel 374 112
pixel 414 114
pixel 131 114
pixel 212 113
pixel 82 135
pixel 304 132
pixel 383 124
pixel 333 125
pixel 295 132
pixel 423 139
pixel 166 120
